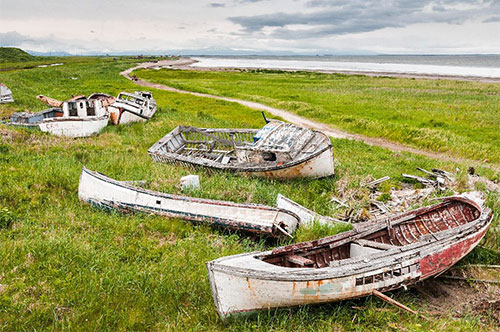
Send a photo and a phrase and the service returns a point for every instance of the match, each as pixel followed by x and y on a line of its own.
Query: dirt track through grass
pixel 291 117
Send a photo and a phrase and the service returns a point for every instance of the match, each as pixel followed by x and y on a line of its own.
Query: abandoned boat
pixel 5 94
pixel 102 191
pixel 128 107
pixel 78 117
pixel 278 150
pixel 378 256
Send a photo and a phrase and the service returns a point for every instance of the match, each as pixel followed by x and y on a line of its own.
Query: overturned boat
pixel 132 107
pixel 102 191
pixel 78 117
pixel 278 150
pixel 377 256
pixel 5 94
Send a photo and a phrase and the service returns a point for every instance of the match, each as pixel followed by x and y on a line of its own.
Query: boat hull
pixel 123 116
pixel 80 127
pixel 100 190
pixel 259 294
pixel 316 167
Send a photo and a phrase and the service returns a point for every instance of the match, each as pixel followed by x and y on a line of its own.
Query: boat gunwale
pixel 399 258
pixel 105 178
pixel 281 273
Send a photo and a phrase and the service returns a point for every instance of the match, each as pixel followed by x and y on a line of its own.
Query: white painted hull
pixel 78 127
pixel 317 167
pixel 246 283
pixel 99 189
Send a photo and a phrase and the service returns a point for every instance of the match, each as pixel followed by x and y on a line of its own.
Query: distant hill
pixel 12 54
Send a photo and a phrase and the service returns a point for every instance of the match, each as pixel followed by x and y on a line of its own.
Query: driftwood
pixel 377 182
pixel 420 179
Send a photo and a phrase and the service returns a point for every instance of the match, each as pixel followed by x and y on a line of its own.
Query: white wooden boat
pixel 5 94
pixel 278 150
pixel 132 107
pixel 77 117
pixel 386 255
pixel 100 190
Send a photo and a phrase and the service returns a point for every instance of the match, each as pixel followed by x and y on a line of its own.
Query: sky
pixel 252 26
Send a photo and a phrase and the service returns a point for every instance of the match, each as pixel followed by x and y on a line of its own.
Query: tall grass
pixel 67 266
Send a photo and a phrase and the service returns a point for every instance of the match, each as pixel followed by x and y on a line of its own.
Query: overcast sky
pixel 298 26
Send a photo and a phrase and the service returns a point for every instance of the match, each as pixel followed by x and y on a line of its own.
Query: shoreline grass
pixel 456 117
pixel 68 266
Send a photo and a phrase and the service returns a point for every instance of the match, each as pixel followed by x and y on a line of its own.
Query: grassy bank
pixel 66 265
pixel 455 117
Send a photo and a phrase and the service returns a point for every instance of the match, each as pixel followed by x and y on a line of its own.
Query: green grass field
pixel 458 118
pixel 67 266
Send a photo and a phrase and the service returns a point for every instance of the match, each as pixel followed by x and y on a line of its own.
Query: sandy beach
pixel 186 63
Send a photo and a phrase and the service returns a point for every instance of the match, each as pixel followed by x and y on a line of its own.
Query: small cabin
pixel 82 108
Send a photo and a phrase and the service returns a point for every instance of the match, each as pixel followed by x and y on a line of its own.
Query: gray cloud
pixel 343 17
pixel 217 4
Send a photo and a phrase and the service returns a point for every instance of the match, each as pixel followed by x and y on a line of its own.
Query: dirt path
pixel 291 117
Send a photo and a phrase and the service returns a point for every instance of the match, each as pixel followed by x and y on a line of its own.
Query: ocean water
pixel 450 65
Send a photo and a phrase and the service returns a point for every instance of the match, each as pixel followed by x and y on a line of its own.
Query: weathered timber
pixel 278 150
pixel 102 191
pixel 390 253
pixel 377 182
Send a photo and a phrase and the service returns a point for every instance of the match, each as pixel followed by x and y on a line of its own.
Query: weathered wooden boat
pixel 102 191
pixel 132 107
pixel 5 94
pixel 278 150
pixel 76 117
pixel 379 256
pixel 81 117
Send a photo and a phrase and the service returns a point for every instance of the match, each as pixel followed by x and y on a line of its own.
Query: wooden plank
pixel 299 260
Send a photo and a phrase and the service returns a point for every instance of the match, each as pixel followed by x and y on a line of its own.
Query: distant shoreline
pixel 185 63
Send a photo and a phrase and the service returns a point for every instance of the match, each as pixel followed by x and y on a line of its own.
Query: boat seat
pixel 374 244
pixel 299 260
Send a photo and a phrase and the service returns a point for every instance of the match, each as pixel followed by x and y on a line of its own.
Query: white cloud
pixel 301 26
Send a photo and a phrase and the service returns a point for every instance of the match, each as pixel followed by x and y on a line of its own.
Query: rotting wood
pixel 426 171
pixel 104 192
pixel 420 179
pixel 278 150
pixel 374 183
pixel 395 255
pixel 393 302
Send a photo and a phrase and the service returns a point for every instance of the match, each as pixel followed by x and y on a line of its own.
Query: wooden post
pixel 393 302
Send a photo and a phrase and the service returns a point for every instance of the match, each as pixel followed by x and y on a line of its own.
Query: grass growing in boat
pixel 459 118
pixel 67 266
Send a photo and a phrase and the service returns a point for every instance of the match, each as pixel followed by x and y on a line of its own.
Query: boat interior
pixel 277 142
pixel 428 222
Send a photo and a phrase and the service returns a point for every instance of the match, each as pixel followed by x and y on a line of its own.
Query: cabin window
pixel 81 105
pixel 72 109
pixel 158 202
pixel 90 111
pixel 269 156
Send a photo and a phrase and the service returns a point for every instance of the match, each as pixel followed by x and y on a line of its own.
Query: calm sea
pixel 454 65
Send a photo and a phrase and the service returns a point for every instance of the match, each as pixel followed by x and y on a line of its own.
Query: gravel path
pixel 291 117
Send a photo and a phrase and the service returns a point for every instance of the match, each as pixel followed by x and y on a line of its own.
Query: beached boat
pixel 132 107
pixel 78 117
pixel 102 191
pixel 377 256
pixel 278 150
pixel 5 94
